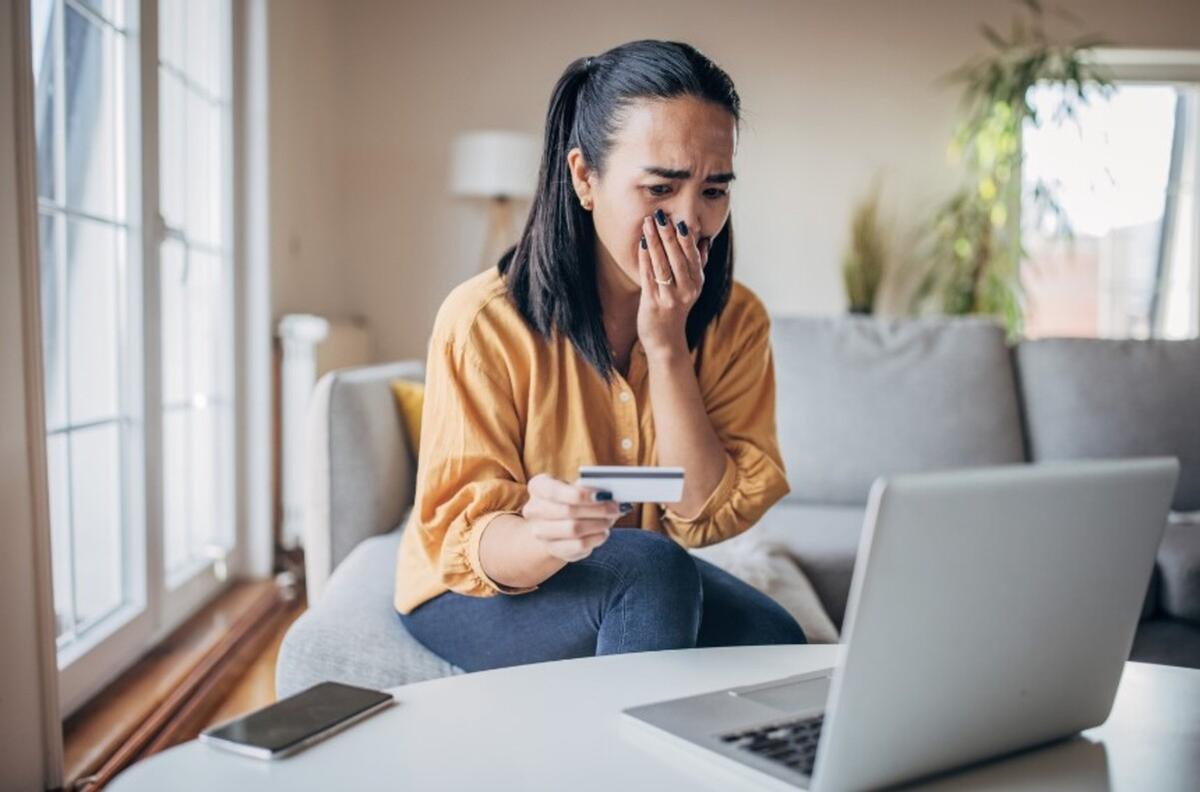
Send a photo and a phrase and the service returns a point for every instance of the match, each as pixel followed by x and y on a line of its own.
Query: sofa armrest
pixel 1179 565
pixel 360 469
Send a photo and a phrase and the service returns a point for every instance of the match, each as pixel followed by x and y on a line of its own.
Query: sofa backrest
pixel 1090 397
pixel 859 397
pixel 361 472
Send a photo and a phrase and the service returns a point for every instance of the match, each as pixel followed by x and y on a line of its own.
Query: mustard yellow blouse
pixel 502 405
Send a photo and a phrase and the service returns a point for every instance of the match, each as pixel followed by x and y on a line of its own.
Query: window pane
pixel 171 20
pixel 175 488
pixel 174 320
pixel 54 322
pixel 60 532
pixel 97 519
pixel 93 320
pixel 42 15
pixel 204 170
pixel 109 9
pixel 196 287
pixel 203 59
pixel 203 330
pixel 1111 174
pixel 203 492
pixel 172 142
pixel 92 80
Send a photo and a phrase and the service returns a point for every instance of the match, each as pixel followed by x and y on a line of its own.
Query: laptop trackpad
pixel 794 696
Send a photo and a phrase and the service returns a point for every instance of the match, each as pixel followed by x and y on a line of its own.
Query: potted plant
pixel 864 264
pixel 976 247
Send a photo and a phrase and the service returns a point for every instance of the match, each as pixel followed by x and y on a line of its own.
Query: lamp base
pixel 500 235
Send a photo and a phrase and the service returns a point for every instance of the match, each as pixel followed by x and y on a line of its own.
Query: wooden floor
pixel 256 688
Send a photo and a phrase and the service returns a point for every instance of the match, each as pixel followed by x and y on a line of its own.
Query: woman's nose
pixel 687 212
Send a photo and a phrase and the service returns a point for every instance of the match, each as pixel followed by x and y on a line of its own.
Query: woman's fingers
pixel 646 270
pixel 547 487
pixel 541 509
pixel 576 549
pixel 558 530
pixel 660 263
pixel 679 249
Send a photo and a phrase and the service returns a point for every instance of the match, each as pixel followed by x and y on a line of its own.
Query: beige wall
pixel 307 139
pixel 368 95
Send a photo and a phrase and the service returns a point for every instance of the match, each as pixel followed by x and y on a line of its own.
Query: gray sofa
pixel 857 398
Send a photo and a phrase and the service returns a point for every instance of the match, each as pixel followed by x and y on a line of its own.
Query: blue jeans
pixel 637 592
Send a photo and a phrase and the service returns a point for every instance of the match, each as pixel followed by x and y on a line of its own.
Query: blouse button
pixel 626 443
pixel 625 396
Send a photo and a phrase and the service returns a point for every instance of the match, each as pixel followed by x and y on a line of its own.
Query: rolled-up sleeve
pixel 470 469
pixel 741 405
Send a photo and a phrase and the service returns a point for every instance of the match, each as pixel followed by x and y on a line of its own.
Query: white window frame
pixel 1154 66
pixel 96 658
pixel 1181 67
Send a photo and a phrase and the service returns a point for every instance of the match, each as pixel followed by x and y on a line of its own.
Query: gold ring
pixel 666 282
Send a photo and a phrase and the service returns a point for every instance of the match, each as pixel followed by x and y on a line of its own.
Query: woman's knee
pixel 784 629
pixel 651 562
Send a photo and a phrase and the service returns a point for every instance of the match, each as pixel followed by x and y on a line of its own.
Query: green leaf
pixel 992 36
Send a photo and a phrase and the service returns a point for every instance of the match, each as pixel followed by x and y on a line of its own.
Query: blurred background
pixel 233 197
pixel 367 98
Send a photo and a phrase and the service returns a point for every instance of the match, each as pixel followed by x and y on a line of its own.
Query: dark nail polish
pixel 682 226
pixel 660 217
pixel 643 243
pixel 626 508
pixel 603 495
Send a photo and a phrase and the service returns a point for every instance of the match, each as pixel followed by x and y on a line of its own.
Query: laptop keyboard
pixel 792 743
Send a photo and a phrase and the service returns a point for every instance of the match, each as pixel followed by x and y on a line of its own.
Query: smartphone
pixel 297 721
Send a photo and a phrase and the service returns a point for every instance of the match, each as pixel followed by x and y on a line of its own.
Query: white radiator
pixel 310 346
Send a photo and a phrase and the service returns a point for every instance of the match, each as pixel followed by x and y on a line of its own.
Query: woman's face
pixel 669 154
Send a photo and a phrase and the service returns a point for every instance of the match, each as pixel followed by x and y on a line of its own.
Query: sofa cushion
pixel 353 634
pixel 371 483
pixel 1090 397
pixel 1179 567
pixel 824 541
pixel 1167 641
pixel 861 397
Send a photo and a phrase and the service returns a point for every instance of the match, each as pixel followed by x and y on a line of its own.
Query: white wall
pixel 832 92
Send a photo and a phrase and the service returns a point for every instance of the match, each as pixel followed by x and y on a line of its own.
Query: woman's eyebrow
pixel 668 173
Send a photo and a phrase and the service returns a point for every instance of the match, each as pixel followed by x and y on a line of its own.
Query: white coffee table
pixel 557 726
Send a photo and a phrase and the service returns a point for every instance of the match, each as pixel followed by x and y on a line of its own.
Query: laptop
pixel 991 610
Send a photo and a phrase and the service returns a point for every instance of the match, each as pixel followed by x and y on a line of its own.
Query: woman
pixel 613 333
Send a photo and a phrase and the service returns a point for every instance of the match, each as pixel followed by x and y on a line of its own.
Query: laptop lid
pixel 991 609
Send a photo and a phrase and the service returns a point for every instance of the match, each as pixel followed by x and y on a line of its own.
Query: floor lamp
pixel 499 167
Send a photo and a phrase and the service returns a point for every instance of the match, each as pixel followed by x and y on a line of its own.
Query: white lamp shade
pixel 491 163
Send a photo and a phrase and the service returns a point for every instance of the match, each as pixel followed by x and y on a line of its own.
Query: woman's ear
pixel 580 176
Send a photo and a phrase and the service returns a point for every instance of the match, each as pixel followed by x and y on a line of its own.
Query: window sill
pixel 163 698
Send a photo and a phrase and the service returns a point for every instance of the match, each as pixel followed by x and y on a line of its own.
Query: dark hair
pixel 551 271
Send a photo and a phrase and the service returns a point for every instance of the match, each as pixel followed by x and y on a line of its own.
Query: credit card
pixel 635 484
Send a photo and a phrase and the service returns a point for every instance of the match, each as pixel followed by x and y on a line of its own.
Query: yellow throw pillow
pixel 410 397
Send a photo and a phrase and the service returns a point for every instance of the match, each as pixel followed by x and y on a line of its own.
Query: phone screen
pixel 291 720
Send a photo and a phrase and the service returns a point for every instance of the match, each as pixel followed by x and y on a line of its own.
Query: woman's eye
pixel 663 189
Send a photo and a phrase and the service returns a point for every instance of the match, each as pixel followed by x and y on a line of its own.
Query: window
pixel 137 295
pixel 1124 175
pixel 196 285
